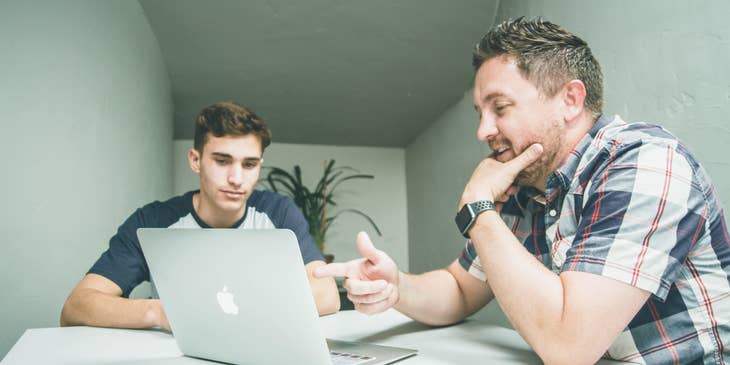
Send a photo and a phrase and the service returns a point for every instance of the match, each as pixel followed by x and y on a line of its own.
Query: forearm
pixel 90 307
pixel 433 298
pixel 326 296
pixel 531 296
pixel 324 290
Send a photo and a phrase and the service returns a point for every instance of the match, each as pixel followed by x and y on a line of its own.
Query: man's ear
pixel 574 96
pixel 194 160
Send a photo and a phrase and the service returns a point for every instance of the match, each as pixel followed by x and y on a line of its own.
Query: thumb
pixel 366 247
pixel 526 158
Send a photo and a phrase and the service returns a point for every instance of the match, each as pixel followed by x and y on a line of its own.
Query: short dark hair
pixel 229 118
pixel 547 55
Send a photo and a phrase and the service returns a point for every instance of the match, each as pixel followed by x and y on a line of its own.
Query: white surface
pixel 470 342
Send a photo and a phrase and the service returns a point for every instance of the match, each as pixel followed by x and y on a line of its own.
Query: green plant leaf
pixel 350 177
pixel 314 203
pixel 274 181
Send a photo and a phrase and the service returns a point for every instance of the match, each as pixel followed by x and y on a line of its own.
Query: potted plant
pixel 314 202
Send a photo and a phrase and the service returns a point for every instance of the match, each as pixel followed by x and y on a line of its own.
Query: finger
pixel 364 287
pixel 371 309
pixel 512 190
pixel 502 198
pixel 498 207
pixel 525 159
pixel 375 308
pixel 372 298
pixel 333 269
pixel 366 248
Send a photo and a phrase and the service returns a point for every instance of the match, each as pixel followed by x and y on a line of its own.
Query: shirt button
pixel 552 212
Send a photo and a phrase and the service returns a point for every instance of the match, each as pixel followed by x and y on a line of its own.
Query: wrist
pixel 401 279
pixel 400 285
pixel 153 313
pixel 469 213
pixel 483 222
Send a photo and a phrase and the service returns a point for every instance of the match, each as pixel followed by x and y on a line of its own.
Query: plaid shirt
pixel 631 203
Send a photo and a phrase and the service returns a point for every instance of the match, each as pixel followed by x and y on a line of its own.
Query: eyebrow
pixel 226 155
pixel 491 96
pixel 494 95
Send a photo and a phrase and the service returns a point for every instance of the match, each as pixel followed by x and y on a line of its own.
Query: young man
pixel 227 154
pixel 596 237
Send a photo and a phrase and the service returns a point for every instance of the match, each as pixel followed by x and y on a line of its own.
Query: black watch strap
pixel 468 214
pixel 480 206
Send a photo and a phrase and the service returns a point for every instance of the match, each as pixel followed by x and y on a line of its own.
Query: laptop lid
pixel 242 296
pixel 234 295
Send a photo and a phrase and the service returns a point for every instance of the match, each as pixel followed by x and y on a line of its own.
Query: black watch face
pixel 463 219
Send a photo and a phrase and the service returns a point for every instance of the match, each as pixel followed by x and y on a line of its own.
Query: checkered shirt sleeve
pixel 639 216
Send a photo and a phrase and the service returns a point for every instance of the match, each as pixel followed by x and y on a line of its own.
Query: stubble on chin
pixel 532 175
pixel 541 169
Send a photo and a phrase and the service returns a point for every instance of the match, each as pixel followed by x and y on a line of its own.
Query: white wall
pixel 382 198
pixel 663 62
pixel 86 119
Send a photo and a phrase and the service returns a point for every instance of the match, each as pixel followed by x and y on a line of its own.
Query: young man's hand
pixel 371 281
pixel 161 317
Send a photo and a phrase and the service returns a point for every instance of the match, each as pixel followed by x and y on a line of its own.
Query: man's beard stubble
pixel 536 173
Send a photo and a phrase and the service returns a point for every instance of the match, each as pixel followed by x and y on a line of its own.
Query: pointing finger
pixel 334 269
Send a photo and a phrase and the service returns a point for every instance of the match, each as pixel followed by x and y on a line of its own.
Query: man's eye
pixel 500 108
pixel 221 162
pixel 250 165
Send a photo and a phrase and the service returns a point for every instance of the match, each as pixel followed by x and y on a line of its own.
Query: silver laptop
pixel 242 296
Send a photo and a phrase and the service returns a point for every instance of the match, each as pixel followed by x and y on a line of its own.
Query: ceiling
pixel 336 72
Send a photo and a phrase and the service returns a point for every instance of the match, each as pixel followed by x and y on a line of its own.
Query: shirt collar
pixel 565 173
pixel 527 193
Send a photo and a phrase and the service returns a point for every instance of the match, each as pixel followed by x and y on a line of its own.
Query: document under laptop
pixel 242 296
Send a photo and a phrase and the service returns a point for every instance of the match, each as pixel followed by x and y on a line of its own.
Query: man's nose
pixel 235 175
pixel 487 129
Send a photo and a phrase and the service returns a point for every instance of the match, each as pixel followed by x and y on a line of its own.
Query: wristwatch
pixel 468 214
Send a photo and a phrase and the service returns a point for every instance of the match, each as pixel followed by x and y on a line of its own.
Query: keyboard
pixel 346 358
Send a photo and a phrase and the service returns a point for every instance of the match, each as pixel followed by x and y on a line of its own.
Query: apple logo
pixel 225 300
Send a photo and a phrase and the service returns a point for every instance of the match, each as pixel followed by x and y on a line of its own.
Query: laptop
pixel 242 296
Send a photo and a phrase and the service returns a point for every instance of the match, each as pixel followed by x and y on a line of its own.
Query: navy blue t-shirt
pixel 124 263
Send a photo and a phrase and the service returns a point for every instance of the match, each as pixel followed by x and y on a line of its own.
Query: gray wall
pixel 664 62
pixel 382 198
pixel 86 121
pixel 438 165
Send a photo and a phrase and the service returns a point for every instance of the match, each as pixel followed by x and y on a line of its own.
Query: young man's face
pixel 513 115
pixel 229 168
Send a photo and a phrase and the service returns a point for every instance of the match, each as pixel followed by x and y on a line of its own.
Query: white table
pixel 469 342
